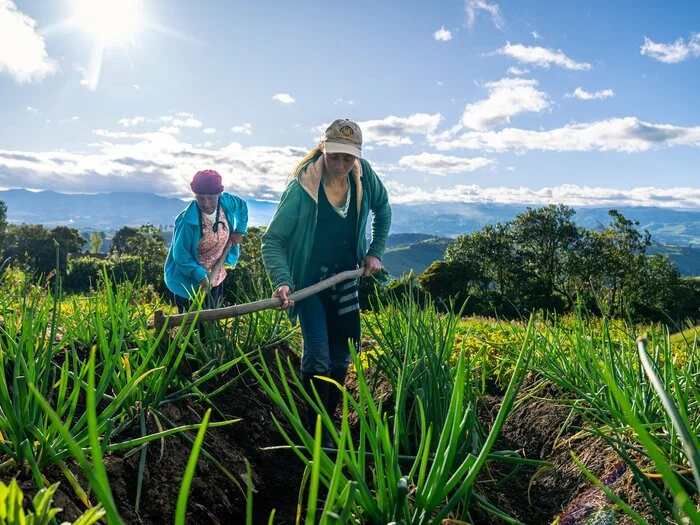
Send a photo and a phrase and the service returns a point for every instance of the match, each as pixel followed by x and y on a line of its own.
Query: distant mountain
pixel 687 259
pixel 110 211
pixel 680 227
pixel 406 252
pixel 412 252
pixel 419 232
pixel 105 211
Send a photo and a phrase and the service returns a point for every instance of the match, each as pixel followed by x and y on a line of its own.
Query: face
pixel 339 163
pixel 207 203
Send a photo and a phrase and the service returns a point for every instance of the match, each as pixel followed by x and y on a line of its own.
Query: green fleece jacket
pixel 287 243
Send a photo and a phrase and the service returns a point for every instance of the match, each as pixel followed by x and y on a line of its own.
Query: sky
pixel 584 103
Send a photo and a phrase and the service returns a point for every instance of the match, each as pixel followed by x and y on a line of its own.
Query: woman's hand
pixel 235 238
pixel 203 283
pixel 283 293
pixel 371 264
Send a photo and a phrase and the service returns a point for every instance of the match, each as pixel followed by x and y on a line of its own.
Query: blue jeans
pixel 326 346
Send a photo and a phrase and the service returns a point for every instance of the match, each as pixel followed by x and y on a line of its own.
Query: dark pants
pixel 213 299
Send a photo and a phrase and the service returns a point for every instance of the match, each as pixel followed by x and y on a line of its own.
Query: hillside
pixel 110 211
pixel 687 258
pixel 406 254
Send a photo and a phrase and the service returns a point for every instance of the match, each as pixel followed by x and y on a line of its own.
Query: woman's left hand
pixel 235 238
pixel 371 264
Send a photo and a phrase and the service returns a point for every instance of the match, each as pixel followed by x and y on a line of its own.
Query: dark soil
pixel 540 428
pixel 544 429
pixel 213 498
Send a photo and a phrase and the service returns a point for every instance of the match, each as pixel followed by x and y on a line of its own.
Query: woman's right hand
pixel 283 292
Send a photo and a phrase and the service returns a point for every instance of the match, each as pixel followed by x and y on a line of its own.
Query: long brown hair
pixel 310 157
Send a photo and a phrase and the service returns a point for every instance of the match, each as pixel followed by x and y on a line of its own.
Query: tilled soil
pixel 540 428
pixel 214 498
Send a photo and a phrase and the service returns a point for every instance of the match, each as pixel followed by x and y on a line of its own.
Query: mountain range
pixel 110 211
pixel 420 232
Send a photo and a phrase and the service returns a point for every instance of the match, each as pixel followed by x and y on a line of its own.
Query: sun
pixel 109 21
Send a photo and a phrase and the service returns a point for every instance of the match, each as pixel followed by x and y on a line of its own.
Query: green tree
pixel 30 247
pixel 147 243
pixel 457 280
pixel 609 268
pixel 96 241
pixel 503 282
pixel 69 241
pixel 120 239
pixel 544 238
pixel 3 227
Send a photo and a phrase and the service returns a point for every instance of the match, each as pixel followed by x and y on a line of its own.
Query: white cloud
pixel 474 6
pixel 33 111
pixel 85 81
pixel 284 98
pixel 246 128
pixel 570 194
pixel 541 57
pixel 209 131
pixel 536 35
pixel 438 164
pixel 156 161
pixel 394 131
pixel 442 35
pixel 133 121
pixel 137 87
pixel 617 134
pixel 185 120
pixel 514 70
pixel 673 53
pixel 22 50
pixel 187 123
pixel 343 101
pixel 507 97
pixel 440 83
pixel 582 94
pixel 510 168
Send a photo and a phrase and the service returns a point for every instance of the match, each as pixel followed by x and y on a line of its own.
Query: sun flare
pixel 109 21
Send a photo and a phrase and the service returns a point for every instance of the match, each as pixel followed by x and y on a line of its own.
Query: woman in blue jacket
pixel 202 232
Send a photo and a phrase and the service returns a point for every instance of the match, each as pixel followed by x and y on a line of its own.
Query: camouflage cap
pixel 343 136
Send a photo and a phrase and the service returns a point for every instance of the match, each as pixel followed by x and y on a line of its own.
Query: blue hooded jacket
pixel 183 272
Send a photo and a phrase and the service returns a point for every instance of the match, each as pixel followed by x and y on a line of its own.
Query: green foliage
pixel 12 510
pixel 542 260
pixel 373 289
pixel 248 280
pixel 120 239
pixel 32 247
pixel 84 273
pixel 399 289
pixel 368 478
pixel 454 283
pixel 3 227
pixel 96 241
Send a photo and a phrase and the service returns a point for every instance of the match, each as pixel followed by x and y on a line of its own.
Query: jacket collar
pixel 310 178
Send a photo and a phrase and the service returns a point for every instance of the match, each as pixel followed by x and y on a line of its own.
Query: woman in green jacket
pixel 318 230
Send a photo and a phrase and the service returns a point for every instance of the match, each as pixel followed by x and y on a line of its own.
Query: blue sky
pixel 586 103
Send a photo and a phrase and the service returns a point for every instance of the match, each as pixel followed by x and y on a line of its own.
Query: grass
pixel 82 373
